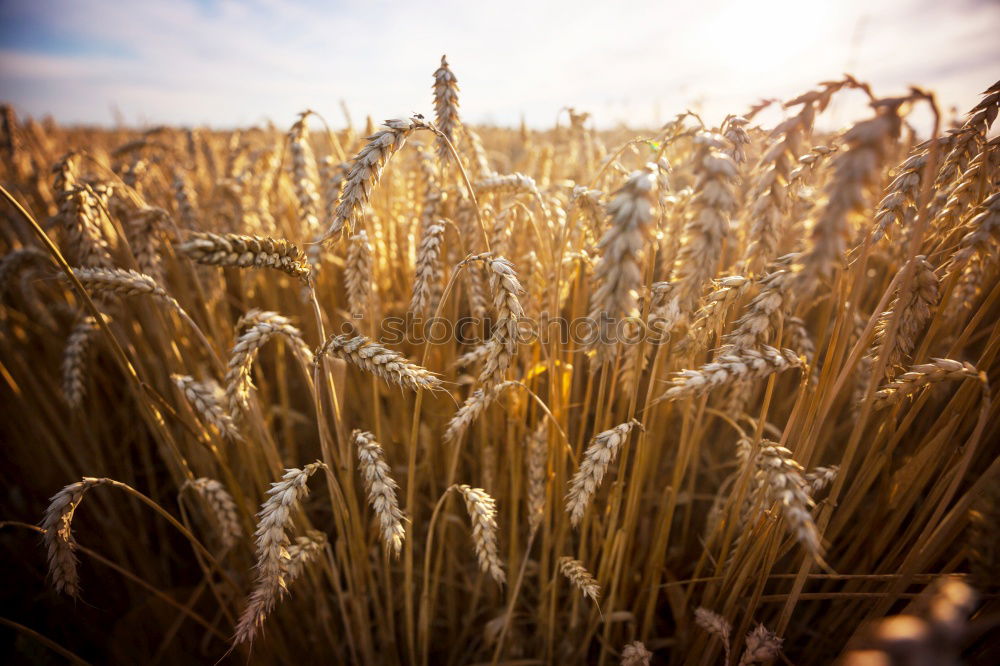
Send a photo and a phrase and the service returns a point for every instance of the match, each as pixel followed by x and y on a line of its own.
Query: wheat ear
pixel 636 654
pixel 537 463
pixel 483 515
pixel 729 368
pixel 582 579
pixel 246 252
pixel 601 452
pixel 915 305
pixel 446 108
pixel 717 626
pixel 59 541
pixel 619 272
pixel 274 521
pixel 706 229
pixel 428 269
pixel 207 400
pixel 782 477
pixel 384 363
pixel 358 274
pixel 471 409
pixel 74 360
pixel 257 328
pixel 761 645
pixel 366 169
pixel 918 376
pixel 125 283
pixel 381 489
pixel 223 509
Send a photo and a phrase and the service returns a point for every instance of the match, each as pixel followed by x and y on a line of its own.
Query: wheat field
pixel 440 394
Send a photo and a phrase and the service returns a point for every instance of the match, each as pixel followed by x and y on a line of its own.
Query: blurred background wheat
pixel 440 392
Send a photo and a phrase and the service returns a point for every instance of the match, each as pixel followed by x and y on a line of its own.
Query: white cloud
pixel 229 62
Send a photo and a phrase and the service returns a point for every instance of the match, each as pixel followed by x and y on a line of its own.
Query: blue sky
pixel 226 63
